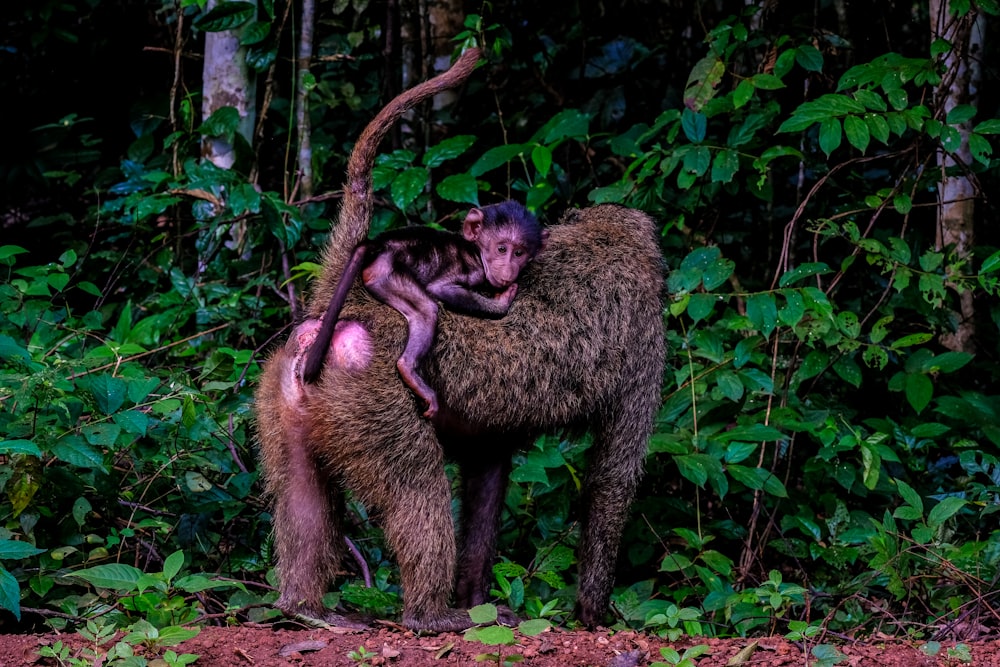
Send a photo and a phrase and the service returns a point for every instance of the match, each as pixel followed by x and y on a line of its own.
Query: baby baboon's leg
pixel 404 294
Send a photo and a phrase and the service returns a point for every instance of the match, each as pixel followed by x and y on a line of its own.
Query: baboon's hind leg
pixel 305 516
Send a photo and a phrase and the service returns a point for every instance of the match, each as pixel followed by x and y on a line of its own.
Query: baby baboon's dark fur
pixel 413 268
pixel 581 347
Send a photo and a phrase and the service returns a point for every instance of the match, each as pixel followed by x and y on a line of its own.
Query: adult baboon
pixel 580 348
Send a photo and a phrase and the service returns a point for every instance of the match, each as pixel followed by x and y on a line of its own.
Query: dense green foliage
pixel 820 460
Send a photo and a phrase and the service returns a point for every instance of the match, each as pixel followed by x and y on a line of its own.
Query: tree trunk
pixel 226 83
pixel 302 86
pixel 956 193
pixel 427 28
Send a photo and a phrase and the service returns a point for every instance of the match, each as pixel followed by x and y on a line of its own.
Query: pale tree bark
pixel 302 98
pixel 445 19
pixel 957 191
pixel 226 83
pixel 427 30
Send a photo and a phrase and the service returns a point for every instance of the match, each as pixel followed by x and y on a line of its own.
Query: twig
pixel 231 445
pixel 149 352
pixel 365 572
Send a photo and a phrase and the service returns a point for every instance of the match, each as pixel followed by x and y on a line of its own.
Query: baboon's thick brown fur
pixel 582 348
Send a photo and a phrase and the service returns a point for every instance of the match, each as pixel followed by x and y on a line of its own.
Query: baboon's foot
pixel 320 617
pixel 446 620
pixel 506 617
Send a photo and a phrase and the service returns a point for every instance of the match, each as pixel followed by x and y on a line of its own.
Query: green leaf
pixel 871 465
pixel 848 370
pixel 848 323
pixel 990 264
pixel 484 613
pixel 495 157
pixel 878 128
pixel 222 123
pixel 743 93
pixel 10 349
pixel 930 430
pixel 173 564
pixel 8 251
pixel 81 508
pixel 73 450
pixel 694 125
pixel 697 161
pixel 829 135
pixel 193 583
pixel 724 166
pixel 702 81
pixel 461 188
pixel 746 476
pixel 794 309
pixel 919 390
pixel 961 113
pixel 172 635
pixel 826 655
pixel 15 549
pixel 717 273
pixel 700 306
pixel 803 271
pixel 949 362
pixel 692 467
pixel 739 451
pixel 10 593
pixel 902 203
pixel 767 82
pixel 132 421
pixel 991 126
pixel 541 157
pixel 870 99
pixel 980 148
pixel 407 186
pixel 857 132
pixel 809 58
pixel 750 432
pixel 763 312
pixel 108 391
pixel 910 496
pixel 898 98
pixel 101 435
pixel 255 33
pixel 907 513
pixel 448 149
pixel 529 472
pixel 571 124
pixel 773 486
pixel 26 447
pixel 533 627
pixel 944 510
pixel 910 340
pixel 674 562
pixel 226 16
pixel 611 194
pixel 115 576
pixel 730 386
pixel 493 635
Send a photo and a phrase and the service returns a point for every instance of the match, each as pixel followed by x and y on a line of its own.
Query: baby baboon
pixel 409 268
pixel 581 347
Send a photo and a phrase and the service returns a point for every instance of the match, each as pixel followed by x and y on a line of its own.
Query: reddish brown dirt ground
pixel 267 647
